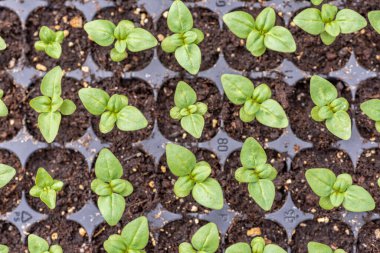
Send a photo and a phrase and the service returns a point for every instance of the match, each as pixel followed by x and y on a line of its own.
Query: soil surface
pixel 369 238
pixel 10 236
pixel 207 92
pixel 66 165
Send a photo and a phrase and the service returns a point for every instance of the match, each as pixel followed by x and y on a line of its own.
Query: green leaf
pixel 6 174
pixel 94 100
pixel 263 193
pixel 255 43
pixel 3 45
pixel 68 107
pixel 193 124
pixel 115 244
pixel 315 114
pixel 4 249
pixel 316 2
pixel 40 46
pixel 333 29
pixel 315 247
pixel 280 39
pixel 371 108
pixel 272 114
pixel 55 249
pixel 340 125
pixel 36 244
pixel 374 19
pixel 54 50
pixel 201 171
pixel 206 239
pixel 100 188
pixel 181 161
pixel 41 104
pixel 266 19
pixel 350 21
pixel 118 56
pixel 56 103
pixel 183 186
pixel 336 199
pixel 184 95
pixel 189 57
pixel 49 197
pixel 328 12
pixel 107 166
pixel 327 39
pixel 107 122
pixel 237 88
pixel 139 40
pixel 239 248
pixel 357 199
pixel 325 203
pixel 244 175
pixel 112 208
pixel 273 248
pixel 117 102
pixel 245 117
pixel 136 233
pixel 122 187
pixel 209 194
pixel 51 83
pixel 252 154
pixel 131 119
pixel 46 34
pixel 180 19
pixel 240 23
pixel 101 32
pixel 322 91
pixel 186 247
pixel 321 181
pixel 121 46
pixel 123 28
pixel 43 179
pixel 3 109
pixel 377 126
pixel 48 123
pixel 171 43
pixel 200 35
pixel 310 20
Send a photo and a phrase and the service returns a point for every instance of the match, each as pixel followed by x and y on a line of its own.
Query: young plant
pixel 374 19
pixel 109 186
pixel 328 22
pixel 6 174
pixel 37 244
pixel 188 110
pixel 371 108
pixel 261 34
pixel 316 247
pixel 329 108
pixel 257 246
pixel 4 248
pixel 257 102
pixel 3 107
pixel 205 240
pixel 134 238
pixel 50 42
pixel 50 105
pixel 113 110
pixel 46 188
pixel 316 2
pixel 336 191
pixel 185 40
pixel 127 36
pixel 193 177
pixel 3 45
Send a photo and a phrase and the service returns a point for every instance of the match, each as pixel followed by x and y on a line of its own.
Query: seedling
pixel 50 42
pixel 205 240
pixel 257 102
pixel 316 2
pixel 6 175
pixel 371 108
pixel 109 186
pixel 261 34
pixel 316 247
pixel 188 110
pixel 185 40
pixel 257 246
pixel 46 188
pixel 3 45
pixel 374 19
pixel 336 191
pixel 4 248
pixel 37 244
pixel 3 107
pixel 194 177
pixel 330 108
pixel 328 22
pixel 127 36
pixel 112 110
pixel 50 105
pixel 134 238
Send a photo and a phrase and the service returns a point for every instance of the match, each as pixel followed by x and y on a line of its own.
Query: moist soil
pixel 299 114
pixel 205 20
pixel 240 130
pixel 237 195
pixel 11 237
pixel 334 233
pixel 75 46
pixel 167 180
pixel 237 55
pixel 207 92
pixel 369 238
pixel 140 95
pixel 134 61
pixel 72 127
pixel 11 32
pixel 66 165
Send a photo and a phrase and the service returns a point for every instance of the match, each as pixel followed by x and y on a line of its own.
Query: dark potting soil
pixel 11 32
pixel 134 61
pixel 368 89
pixel 72 127
pixel 304 198
pixel 207 92
pixel 237 55
pixel 166 184
pixel 205 20
pixel 140 95
pixel 299 113
pixel 239 130
pixel 334 233
pixel 66 165
pixel 12 192
pixel 369 238
pixel 75 46
pixel 10 236
pixel 237 195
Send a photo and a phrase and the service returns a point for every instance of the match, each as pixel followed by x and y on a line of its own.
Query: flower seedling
pixel 46 188
pixel 328 22
pixel 257 102
pixel 188 110
pixel 50 42
pixel 371 108
pixel 316 247
pixel 37 244
pixel 127 36
pixel 205 240
pixel 109 186
pixel 374 19
pixel 257 246
pixel 261 34
pixel 3 107
pixel 50 105
pixel 3 45
pixel 329 108
pixel 134 238
pixel 6 174
pixel 336 191
pixel 113 110
pixel 185 40
pixel 193 177
pixel 4 248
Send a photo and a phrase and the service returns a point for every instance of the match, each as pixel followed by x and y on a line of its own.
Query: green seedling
pixel 316 2
pixel 3 107
pixel 4 248
pixel 336 191
pixel 316 247
pixel 109 186
pixel 374 19
pixel 205 240
pixel 188 110
pixel 193 177
pixel 371 108
pixel 3 45
pixel 50 42
pixel 6 174
pixel 257 246
pixel 38 245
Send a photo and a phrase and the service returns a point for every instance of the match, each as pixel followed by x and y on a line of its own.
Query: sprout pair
pixel 37 244
pixel 50 42
pixel 258 245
